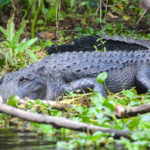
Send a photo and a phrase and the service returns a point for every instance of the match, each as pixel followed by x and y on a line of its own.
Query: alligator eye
pixel 22 79
pixel 1 80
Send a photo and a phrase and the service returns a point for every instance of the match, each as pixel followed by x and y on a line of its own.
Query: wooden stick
pixel 142 15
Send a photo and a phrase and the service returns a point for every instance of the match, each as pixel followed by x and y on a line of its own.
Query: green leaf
pixel 109 105
pixel 4 2
pixel 129 94
pixel 46 43
pixel 28 43
pixel 72 3
pixel 24 45
pixel 10 29
pixel 83 3
pixel 20 47
pixel 140 135
pixel 16 37
pixel 46 128
pixel 98 134
pixel 38 101
pixel 31 103
pixel 97 98
pixel 13 101
pixel 134 91
pixel 101 77
pixel 32 55
pixel 145 117
pixel 93 3
pixel 4 32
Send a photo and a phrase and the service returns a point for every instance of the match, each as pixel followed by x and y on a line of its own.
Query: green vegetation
pixel 4 2
pixel 55 21
pixel 97 111
pixel 14 53
pixel 12 50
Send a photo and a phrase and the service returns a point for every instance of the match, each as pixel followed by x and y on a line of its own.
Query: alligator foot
pixel 85 83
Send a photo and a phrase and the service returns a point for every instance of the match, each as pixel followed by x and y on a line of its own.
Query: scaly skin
pixel 49 78
pixel 112 43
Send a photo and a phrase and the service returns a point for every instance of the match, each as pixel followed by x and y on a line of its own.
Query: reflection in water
pixel 11 139
pixel 16 139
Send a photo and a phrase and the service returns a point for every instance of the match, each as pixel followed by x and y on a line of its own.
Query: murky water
pixel 15 139
pixel 11 139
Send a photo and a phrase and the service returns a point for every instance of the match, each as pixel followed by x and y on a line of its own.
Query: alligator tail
pixel 98 43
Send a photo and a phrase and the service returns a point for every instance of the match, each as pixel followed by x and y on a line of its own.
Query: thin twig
pixel 142 15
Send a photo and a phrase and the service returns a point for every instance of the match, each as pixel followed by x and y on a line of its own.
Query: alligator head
pixel 27 84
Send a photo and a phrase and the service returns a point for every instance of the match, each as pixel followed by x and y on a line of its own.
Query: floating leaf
pixel 13 101
pixel 129 94
pixel 101 77
pixel 97 98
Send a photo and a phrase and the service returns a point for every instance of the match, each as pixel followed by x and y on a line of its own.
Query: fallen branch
pixel 60 122
pixel 134 111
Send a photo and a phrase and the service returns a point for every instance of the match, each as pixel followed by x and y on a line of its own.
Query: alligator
pixel 111 43
pixel 70 71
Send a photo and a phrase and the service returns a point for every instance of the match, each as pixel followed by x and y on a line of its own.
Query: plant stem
pixel 57 17
pixel 35 19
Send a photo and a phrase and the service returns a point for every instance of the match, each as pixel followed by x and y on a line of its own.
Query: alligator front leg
pixel 85 83
pixel 143 78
